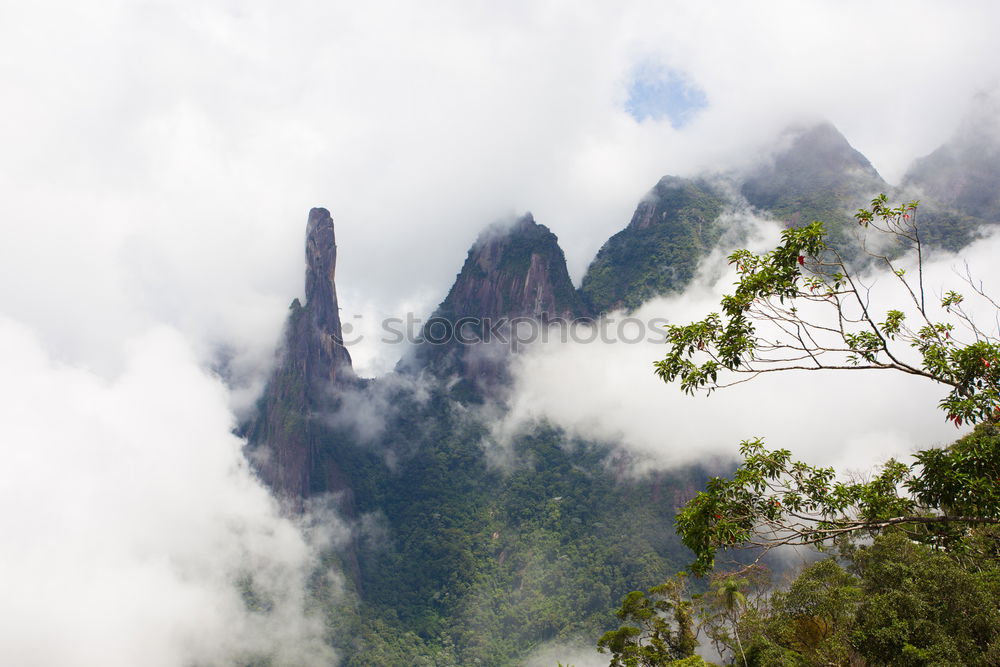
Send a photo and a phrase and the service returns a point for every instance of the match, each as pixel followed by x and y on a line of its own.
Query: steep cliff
pixel 313 363
pixel 513 283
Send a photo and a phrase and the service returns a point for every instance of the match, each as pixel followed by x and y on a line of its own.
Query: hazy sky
pixel 157 163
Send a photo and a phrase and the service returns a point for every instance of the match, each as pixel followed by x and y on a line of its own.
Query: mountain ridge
pixel 453 558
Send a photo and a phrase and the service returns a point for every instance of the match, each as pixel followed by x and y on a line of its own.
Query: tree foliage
pixel 659 627
pixel 802 306
pixel 921 587
pixel 891 602
pixel 922 606
pixel 810 622
pixel 722 608
pixel 773 500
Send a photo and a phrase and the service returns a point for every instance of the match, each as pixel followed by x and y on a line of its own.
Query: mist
pixel 606 389
pixel 134 527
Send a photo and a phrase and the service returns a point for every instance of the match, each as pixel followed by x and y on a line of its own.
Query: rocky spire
pixel 321 333
pixel 285 442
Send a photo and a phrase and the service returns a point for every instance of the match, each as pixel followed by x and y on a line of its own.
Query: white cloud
pixel 579 654
pixel 130 518
pixel 852 420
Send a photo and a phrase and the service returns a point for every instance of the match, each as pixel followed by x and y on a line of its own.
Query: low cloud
pixel 367 411
pixel 574 654
pixel 135 532
pixel 851 419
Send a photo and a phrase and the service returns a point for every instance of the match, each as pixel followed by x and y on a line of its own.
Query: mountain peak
pixel 811 162
pixel 814 174
pixel 658 252
pixel 963 173
pixel 514 271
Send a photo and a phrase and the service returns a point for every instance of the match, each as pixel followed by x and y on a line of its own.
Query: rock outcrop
pixel 319 336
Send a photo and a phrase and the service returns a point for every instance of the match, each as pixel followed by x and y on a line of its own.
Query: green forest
pixel 470 563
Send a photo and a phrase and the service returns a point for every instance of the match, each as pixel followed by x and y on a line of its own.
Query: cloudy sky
pixel 159 159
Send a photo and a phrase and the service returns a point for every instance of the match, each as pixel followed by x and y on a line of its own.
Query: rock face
pixel 515 270
pixel 312 365
pixel 326 357
pixel 512 272
pixel 673 227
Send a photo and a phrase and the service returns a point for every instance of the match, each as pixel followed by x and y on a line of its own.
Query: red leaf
pixel 802 260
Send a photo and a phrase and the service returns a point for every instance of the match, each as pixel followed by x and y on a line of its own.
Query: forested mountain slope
pixel 812 173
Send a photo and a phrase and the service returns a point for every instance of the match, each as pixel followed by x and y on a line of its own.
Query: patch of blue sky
pixel 662 93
